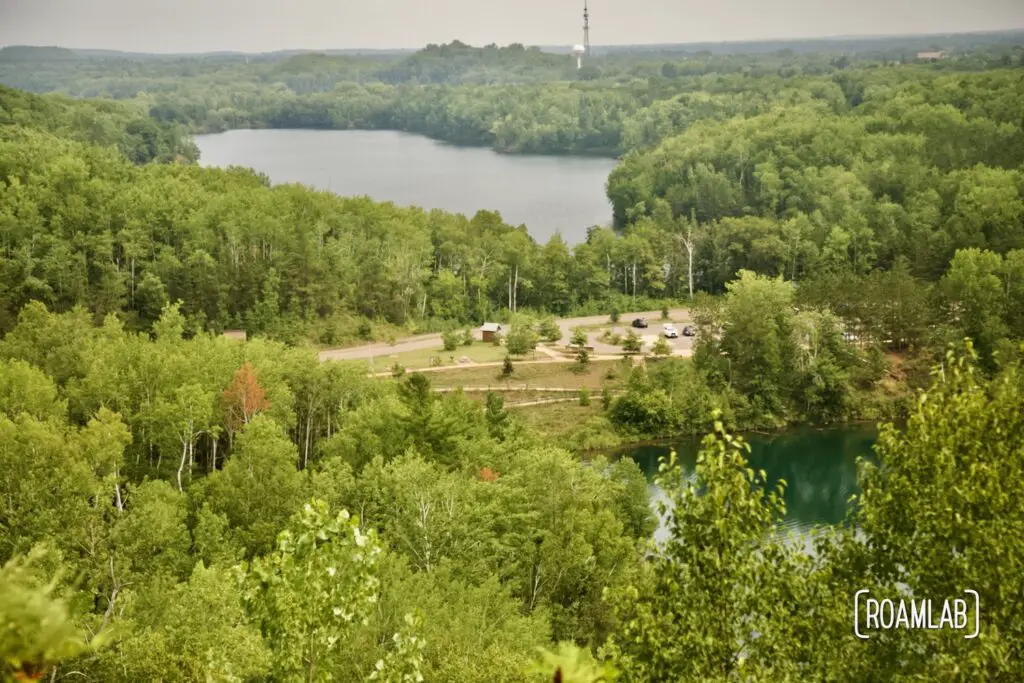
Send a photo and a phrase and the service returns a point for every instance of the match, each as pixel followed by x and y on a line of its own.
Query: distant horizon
pixel 189 27
pixel 835 37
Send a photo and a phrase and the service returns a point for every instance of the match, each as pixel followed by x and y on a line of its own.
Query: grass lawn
pixel 558 420
pixel 535 374
pixel 417 360
pixel 514 398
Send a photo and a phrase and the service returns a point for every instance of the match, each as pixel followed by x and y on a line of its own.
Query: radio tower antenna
pixel 586 29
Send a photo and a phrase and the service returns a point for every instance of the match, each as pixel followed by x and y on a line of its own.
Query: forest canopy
pixel 847 232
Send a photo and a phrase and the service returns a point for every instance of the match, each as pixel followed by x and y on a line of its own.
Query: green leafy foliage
pixel 549 330
pixel 632 343
pixel 853 216
pixel 314 589
pixel 38 629
pixel 522 339
pixel 582 360
pixel 572 664
pixel 579 337
pixel 661 347
pixel 724 564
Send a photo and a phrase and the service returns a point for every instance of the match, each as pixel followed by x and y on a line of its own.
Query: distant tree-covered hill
pixel 136 135
pixel 31 53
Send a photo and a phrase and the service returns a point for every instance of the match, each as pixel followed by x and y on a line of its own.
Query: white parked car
pixel 670 331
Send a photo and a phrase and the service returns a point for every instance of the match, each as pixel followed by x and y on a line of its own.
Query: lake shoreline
pixel 608 154
pixel 669 440
pixel 548 193
pixel 818 463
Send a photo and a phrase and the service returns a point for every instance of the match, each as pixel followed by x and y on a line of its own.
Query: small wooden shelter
pixel 488 330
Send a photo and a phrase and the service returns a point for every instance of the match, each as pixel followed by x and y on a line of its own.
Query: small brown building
pixel 235 334
pixel 488 330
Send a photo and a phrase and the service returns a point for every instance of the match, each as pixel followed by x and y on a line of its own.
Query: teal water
pixel 818 465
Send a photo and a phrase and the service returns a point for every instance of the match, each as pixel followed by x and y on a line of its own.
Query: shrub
pixel 549 330
pixel 584 397
pixel 582 360
pixel 579 337
pixel 648 412
pixel 467 337
pixel 506 368
pixel 661 347
pixel 615 315
pixel 397 370
pixel 451 340
pixel 632 343
pixel 521 340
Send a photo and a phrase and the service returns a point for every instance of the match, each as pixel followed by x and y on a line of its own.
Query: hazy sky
pixel 264 25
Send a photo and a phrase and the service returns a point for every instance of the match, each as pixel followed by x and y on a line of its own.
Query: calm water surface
pixel 819 466
pixel 546 193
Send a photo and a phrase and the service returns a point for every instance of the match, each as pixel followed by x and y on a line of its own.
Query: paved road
pixel 682 346
pixel 417 343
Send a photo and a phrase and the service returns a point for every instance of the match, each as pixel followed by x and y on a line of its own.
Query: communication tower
pixel 586 29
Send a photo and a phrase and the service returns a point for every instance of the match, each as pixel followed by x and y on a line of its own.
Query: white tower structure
pixel 578 51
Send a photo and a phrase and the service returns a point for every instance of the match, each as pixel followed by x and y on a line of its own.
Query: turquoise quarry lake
pixel 818 465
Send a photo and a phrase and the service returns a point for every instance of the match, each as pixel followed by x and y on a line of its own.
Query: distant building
pixel 235 334
pixel 488 330
pixel 931 56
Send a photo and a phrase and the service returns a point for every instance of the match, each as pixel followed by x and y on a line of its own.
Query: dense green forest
pixel 170 486
pixel 178 506
pixel 513 98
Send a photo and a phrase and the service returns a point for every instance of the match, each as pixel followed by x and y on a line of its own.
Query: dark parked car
pixel 689 331
pixel 640 322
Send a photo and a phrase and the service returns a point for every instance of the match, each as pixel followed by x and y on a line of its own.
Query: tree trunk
pixel 117 490
pixel 689 261
pixel 213 455
pixel 515 290
pixel 305 449
pixel 181 465
pixel 634 283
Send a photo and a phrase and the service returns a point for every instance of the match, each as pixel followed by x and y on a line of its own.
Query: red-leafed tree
pixel 487 474
pixel 243 399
